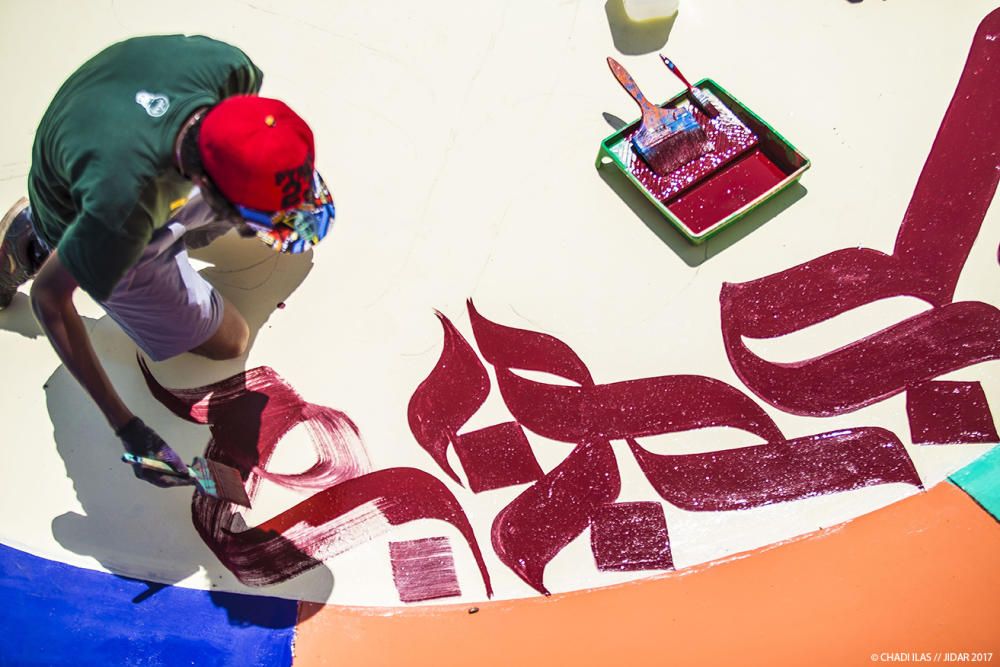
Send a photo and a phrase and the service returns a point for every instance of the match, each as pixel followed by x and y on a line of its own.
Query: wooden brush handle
pixel 630 86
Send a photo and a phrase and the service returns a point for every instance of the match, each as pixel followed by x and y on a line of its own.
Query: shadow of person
pixel 130 527
pixel 18 318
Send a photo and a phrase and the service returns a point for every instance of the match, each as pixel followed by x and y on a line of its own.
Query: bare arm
pixel 52 303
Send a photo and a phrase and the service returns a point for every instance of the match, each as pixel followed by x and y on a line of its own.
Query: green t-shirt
pixel 103 174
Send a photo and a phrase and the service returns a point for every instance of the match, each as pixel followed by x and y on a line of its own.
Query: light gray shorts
pixel 162 303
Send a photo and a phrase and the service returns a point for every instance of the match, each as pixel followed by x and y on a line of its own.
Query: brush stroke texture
pixel 531 530
pixel 424 569
pixel 456 387
pixel 630 536
pixel 949 413
pixel 941 223
pixel 777 472
pixel 248 415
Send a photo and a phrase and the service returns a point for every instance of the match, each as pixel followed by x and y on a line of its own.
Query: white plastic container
pixel 649 10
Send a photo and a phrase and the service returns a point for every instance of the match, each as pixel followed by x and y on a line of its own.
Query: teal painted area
pixel 981 480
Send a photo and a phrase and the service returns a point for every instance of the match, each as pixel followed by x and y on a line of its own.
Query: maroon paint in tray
pixel 726 137
pixel 735 170
pixel 727 191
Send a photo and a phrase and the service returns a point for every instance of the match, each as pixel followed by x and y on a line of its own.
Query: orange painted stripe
pixel 919 575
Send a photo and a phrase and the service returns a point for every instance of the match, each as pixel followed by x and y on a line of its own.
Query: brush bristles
pixel 670 151
pixel 229 483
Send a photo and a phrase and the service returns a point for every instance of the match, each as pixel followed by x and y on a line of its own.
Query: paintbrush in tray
pixel 666 138
pixel 210 477
pixel 698 96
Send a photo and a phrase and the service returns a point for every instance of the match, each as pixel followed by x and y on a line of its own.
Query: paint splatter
pixel 424 569
pixel 949 413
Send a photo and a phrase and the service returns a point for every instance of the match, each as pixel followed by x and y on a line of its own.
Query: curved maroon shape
pixel 734 479
pixel 507 347
pixel 551 513
pixel 546 517
pixel 961 173
pixel 267 554
pixel 876 367
pixel 941 223
pixel 635 408
pixel 248 415
pixel 815 291
pixel 456 387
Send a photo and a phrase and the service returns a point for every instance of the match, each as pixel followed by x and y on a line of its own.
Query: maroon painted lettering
pixel 248 415
pixel 944 216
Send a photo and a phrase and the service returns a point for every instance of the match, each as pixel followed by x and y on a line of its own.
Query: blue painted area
pixel 55 614
pixel 981 480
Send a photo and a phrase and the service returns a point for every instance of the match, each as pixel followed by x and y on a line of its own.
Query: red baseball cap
pixel 258 152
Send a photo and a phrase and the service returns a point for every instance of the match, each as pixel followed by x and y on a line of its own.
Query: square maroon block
pixel 424 569
pixel 630 536
pixel 943 413
pixel 497 456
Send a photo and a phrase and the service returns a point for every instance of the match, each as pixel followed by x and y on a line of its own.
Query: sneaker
pixel 20 253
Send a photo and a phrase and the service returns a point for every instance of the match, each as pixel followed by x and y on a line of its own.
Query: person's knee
pixel 230 342
pixel 236 343
pixel 230 349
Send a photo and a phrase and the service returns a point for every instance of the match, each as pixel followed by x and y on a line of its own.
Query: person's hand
pixel 141 440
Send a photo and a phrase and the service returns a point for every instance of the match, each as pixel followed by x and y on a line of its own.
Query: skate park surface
pixel 510 414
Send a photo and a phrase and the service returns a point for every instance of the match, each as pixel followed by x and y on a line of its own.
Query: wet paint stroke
pixel 777 472
pixel 540 522
pixel 248 414
pixel 450 395
pixel 293 542
pixel 496 457
pixel 649 406
pixel 630 536
pixel 424 569
pixel 551 513
pixel 949 413
pixel 943 219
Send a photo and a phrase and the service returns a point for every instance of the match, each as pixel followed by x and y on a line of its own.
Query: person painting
pixel 154 139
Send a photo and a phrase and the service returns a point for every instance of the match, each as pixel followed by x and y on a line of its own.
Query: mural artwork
pixel 250 413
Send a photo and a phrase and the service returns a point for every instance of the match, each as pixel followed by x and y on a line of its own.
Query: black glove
pixel 141 440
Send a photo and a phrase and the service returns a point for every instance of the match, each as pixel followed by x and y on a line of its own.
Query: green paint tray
pixel 702 199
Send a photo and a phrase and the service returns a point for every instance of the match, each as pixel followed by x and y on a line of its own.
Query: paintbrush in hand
pixel 210 477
